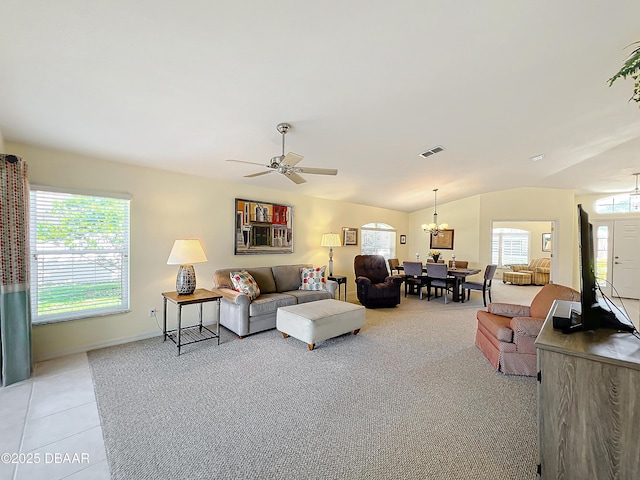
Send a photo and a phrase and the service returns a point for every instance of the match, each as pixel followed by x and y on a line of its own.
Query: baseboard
pixel 95 346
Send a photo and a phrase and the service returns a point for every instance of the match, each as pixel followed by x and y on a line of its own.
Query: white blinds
pixel 510 247
pixel 79 254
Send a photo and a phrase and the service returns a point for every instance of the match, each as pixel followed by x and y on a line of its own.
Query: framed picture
pixel 546 242
pixel 350 236
pixel 262 227
pixel 403 239
pixel 442 241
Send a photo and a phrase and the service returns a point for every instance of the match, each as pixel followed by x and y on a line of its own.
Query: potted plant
pixel 631 68
pixel 435 254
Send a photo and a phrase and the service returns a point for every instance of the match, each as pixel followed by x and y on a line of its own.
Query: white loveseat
pixel 279 287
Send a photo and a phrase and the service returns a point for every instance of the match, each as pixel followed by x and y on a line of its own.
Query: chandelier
pixel 634 198
pixel 433 228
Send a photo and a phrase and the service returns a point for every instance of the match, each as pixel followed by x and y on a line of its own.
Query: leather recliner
pixel 374 286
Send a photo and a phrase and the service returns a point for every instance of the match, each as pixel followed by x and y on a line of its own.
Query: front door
pixel 626 258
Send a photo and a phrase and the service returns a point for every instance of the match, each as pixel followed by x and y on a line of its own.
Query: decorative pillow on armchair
pixel 313 278
pixel 245 283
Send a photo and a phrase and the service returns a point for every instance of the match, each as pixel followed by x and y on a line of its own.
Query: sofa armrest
pixel 238 298
pixel 397 279
pixel 509 310
pixel 363 281
pixel 542 270
pixel 331 287
pixel 519 268
pixel 526 326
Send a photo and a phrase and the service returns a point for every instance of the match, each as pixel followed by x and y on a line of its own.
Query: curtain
pixel 15 313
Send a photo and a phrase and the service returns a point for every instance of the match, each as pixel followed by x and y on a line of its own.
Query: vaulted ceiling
pixel 367 86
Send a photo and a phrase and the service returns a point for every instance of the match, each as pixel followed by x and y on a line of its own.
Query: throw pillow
pixel 245 283
pixel 313 278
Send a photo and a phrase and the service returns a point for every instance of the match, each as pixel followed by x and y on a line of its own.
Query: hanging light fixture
pixel 634 198
pixel 433 228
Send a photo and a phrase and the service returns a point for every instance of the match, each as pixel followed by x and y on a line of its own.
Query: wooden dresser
pixel 588 404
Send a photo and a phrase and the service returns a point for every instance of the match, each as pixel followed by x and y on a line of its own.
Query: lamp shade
pixel 331 240
pixel 186 252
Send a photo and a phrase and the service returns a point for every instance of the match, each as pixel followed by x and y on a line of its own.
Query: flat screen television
pixel 593 315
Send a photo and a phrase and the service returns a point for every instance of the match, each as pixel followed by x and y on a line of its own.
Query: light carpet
pixel 409 397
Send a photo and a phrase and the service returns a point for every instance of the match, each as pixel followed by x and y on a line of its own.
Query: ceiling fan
pixel 286 164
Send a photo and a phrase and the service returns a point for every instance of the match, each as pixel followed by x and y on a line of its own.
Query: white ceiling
pixel 367 86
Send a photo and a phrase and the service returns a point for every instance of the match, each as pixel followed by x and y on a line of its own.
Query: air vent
pixel 433 151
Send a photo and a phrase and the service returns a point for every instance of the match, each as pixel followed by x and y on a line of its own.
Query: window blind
pixel 510 247
pixel 79 255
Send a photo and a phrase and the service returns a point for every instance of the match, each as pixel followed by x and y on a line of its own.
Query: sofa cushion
pixel 269 303
pixel 262 275
pixel 496 325
pixel 304 296
pixel 287 277
pixel 245 283
pixel 313 278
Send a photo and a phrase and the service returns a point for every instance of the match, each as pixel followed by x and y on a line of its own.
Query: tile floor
pixel 49 425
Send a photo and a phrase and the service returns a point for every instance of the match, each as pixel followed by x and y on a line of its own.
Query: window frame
pixel 77 259
pixel 378 227
pixel 501 233
pixel 614 205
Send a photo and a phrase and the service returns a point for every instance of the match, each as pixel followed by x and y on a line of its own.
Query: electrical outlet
pixel 153 312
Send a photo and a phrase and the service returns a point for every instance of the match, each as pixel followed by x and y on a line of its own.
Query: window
pixel 615 204
pixel 510 246
pixel 602 254
pixel 79 254
pixel 378 239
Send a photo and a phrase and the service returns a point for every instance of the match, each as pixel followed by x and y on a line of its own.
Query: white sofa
pixel 279 287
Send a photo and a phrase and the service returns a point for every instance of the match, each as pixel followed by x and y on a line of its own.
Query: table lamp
pixel 185 253
pixel 331 240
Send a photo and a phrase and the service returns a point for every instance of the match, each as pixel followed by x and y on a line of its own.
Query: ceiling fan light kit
pixel 287 164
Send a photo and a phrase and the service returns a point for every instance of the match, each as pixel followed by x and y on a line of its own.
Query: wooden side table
pixel 340 280
pixel 194 333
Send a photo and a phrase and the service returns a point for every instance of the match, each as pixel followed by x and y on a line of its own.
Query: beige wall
pixel 166 206
pixel 471 218
pixel 535 204
pixel 535 229
pixel 462 216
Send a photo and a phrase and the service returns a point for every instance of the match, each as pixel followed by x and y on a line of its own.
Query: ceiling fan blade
pixel 258 174
pixel 294 177
pixel 248 163
pixel 318 171
pixel 291 159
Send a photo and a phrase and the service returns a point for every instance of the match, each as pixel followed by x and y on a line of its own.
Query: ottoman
pixel 313 322
pixel 517 278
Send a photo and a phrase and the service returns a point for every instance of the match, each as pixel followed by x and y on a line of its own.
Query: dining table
pixel 459 274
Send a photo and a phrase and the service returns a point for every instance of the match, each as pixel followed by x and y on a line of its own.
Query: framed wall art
pixel 262 227
pixel 546 242
pixel 403 239
pixel 350 236
pixel 442 241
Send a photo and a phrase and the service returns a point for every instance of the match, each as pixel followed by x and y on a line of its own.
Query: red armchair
pixel 506 332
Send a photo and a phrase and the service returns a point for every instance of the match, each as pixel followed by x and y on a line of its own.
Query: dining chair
pixel 484 287
pixel 394 263
pixel 438 278
pixel 413 277
pixel 459 264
